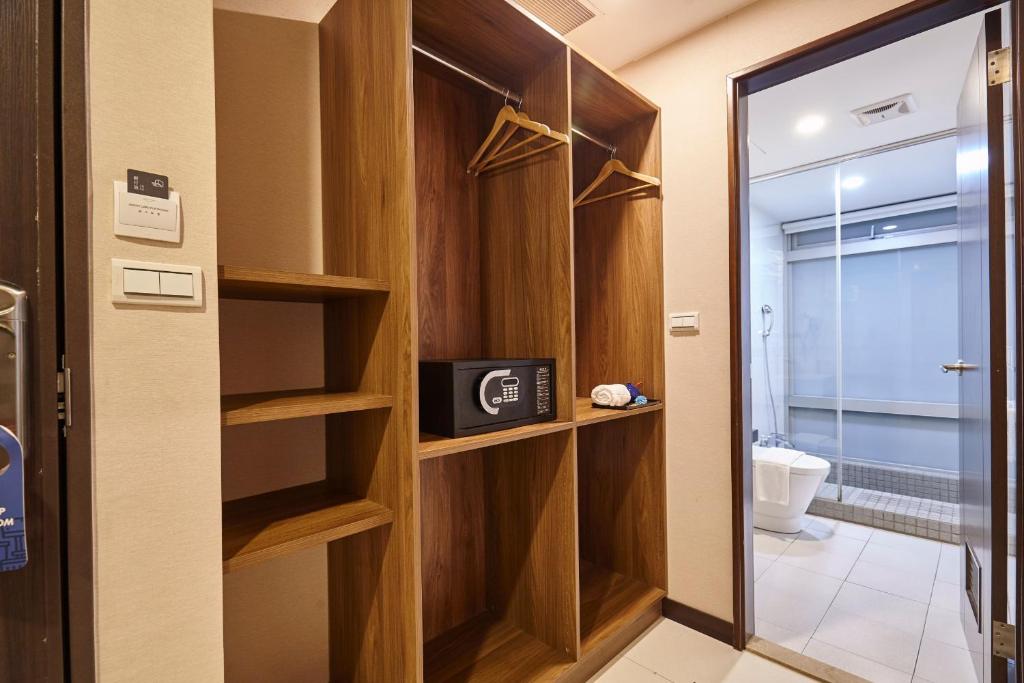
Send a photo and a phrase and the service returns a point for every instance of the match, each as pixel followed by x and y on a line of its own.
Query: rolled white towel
pixel 610 395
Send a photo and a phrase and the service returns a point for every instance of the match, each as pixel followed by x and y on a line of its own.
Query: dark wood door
pixel 982 364
pixel 31 614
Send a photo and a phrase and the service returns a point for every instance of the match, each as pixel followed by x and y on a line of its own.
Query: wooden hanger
pixel 493 154
pixel 611 167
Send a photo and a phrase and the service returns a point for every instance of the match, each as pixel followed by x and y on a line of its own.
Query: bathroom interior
pixel 854 256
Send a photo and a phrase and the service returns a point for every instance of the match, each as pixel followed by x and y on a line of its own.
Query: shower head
pixel 767 320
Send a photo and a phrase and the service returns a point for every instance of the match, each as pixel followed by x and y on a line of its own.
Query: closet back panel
pixel 450 123
pixel 527 242
pixel 618 270
pixel 498 535
pixel 622 497
pixel 367 162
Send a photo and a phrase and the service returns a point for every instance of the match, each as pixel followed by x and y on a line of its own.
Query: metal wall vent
pixel 886 110
pixel 561 15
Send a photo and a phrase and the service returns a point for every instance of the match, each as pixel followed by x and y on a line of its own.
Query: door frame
pixel 74 250
pixel 897 24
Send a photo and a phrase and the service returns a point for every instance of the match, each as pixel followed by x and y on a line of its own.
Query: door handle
pixel 958 367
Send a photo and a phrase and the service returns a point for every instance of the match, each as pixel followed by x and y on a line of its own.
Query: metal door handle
pixel 958 367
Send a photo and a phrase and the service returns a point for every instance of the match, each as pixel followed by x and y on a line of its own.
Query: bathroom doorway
pixel 875 455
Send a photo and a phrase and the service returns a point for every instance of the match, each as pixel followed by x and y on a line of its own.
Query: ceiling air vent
pixel 892 108
pixel 561 15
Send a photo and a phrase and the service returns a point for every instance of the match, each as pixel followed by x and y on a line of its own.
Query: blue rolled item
pixel 633 391
pixel 640 400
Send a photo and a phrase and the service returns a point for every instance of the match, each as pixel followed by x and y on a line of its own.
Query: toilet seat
pixel 802 462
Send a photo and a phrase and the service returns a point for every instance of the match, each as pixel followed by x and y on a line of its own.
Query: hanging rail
pixel 612 149
pixel 508 94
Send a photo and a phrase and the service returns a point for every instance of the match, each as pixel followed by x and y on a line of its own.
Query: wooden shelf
pixel 262 527
pixel 610 602
pixel 487 649
pixel 239 409
pixel 587 414
pixel 432 446
pixel 274 285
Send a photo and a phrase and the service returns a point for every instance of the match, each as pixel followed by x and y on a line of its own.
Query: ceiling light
pixel 852 182
pixel 810 124
pixel 893 226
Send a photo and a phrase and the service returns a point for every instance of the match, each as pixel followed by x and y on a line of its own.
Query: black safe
pixel 462 397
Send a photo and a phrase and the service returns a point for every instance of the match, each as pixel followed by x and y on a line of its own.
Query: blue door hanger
pixel 13 549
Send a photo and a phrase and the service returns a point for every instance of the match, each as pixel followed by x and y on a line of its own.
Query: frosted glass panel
pixel 900 324
pixel 812 332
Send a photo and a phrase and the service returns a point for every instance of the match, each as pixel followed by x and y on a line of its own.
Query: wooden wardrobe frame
pixel 534 553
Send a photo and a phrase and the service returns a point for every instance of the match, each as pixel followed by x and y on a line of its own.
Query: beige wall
pixel 156 431
pixel 687 79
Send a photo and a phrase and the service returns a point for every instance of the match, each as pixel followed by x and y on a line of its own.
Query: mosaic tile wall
pixel 904 481
pixel 924 517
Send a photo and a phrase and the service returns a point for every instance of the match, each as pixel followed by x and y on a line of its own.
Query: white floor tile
pixel 818 559
pixel 949 564
pixel 797 614
pixel 829 541
pixel 855 664
pixel 799 582
pixel 922 562
pixel 838 527
pixel 761 565
pixel 944 626
pixel 906 615
pixel 683 655
pixel 946 596
pixel 941 663
pixel 627 671
pixel 794 640
pixel 893 539
pixel 892 580
pixel 873 640
pixel 770 545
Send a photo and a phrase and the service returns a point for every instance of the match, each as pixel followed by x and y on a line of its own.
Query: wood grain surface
pixel 236 282
pixel 238 409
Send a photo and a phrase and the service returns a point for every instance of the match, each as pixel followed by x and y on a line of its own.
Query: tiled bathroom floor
pixel 876 603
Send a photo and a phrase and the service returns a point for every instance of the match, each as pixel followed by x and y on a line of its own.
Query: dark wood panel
pixel 532 561
pixel 490 650
pixel 601 102
pixel 449 127
pixel 622 497
pixel 453 530
pixel 236 282
pixel 366 105
pixel 610 602
pixel 618 271
pixel 496 38
pixel 266 526
pixel 527 244
pixel 31 610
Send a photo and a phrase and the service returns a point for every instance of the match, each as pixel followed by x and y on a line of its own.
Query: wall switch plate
pixel 155 284
pixel 684 322
pixel 151 218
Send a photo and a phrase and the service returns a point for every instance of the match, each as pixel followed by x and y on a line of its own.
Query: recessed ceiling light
pixel 810 124
pixel 889 227
pixel 852 182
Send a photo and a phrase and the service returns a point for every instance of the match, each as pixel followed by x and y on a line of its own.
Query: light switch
pixel 175 284
pixel 155 284
pixel 684 322
pixel 137 281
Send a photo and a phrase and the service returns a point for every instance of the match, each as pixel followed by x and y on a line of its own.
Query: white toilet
pixel 806 474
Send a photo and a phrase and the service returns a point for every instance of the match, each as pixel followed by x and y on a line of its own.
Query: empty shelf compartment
pixel 262 527
pixel 609 602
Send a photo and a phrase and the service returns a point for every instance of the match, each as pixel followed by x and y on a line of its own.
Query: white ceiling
pixel 925 170
pixel 931 66
pixel 299 10
pixel 625 30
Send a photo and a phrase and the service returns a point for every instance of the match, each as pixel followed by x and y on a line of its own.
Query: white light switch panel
pixel 151 218
pixel 155 284
pixel 684 322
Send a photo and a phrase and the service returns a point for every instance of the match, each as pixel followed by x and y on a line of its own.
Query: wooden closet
pixel 353 244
